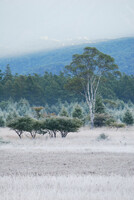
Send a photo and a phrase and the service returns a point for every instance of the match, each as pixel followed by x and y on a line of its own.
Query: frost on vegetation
pixel 102 136
pixel 68 106
pixel 128 118
pixel 66 188
pixel 3 141
pixel 10 110
pixel 118 108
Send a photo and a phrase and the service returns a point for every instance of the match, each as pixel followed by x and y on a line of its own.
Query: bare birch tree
pixel 85 72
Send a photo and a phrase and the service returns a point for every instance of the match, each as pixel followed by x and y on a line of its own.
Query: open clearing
pixel 81 166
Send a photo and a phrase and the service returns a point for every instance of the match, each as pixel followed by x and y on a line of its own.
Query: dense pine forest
pixel 50 88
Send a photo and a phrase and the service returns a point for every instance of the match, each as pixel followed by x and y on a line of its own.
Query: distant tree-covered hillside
pixel 122 50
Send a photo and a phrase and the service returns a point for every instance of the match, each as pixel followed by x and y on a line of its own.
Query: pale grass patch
pixel 71 187
pixel 86 140
pixel 66 188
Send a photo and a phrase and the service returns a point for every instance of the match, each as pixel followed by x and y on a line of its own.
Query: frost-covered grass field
pixel 67 188
pixel 82 166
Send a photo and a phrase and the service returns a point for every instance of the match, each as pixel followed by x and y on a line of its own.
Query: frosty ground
pixel 81 166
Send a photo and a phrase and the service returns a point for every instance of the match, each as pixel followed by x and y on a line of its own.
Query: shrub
pixel 64 125
pixel 51 125
pixel 64 112
pixel 130 104
pixel 67 125
pixel 99 106
pixel 110 104
pixel 77 112
pixel 38 111
pixel 3 104
pixel 102 136
pixel 2 122
pixel 38 127
pixel 22 124
pixel 3 141
pixel 11 116
pixel 128 118
pixel 103 119
pixel 109 120
pixel 100 119
pixel 117 125
pixel 23 107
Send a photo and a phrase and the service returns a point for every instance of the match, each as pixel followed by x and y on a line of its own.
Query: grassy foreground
pixel 82 166
pixel 66 188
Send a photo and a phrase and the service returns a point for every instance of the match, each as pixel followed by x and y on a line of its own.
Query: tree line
pixel 50 88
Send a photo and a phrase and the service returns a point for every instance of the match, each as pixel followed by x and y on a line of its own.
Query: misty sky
pixel 31 25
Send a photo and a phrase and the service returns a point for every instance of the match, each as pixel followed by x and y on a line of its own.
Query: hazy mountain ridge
pixel 54 61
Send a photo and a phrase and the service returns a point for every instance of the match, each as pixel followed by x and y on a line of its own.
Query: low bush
pixel 128 118
pixel 22 124
pixel 11 116
pixel 117 125
pixel 100 119
pixel 38 111
pixel 102 136
pixel 99 106
pixel 77 112
pixel 64 125
pixel 50 125
pixel 3 141
pixel 103 119
pixel 64 112
pixel 110 120
pixel 2 122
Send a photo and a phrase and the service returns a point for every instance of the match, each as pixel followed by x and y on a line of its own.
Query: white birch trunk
pixel 89 95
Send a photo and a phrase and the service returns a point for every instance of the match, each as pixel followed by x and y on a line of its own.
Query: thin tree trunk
pixel 92 120
pixel 91 115
pixel 89 103
pixel 50 133
pixel 33 134
pixel 19 133
pixel 55 134
pixel 63 134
